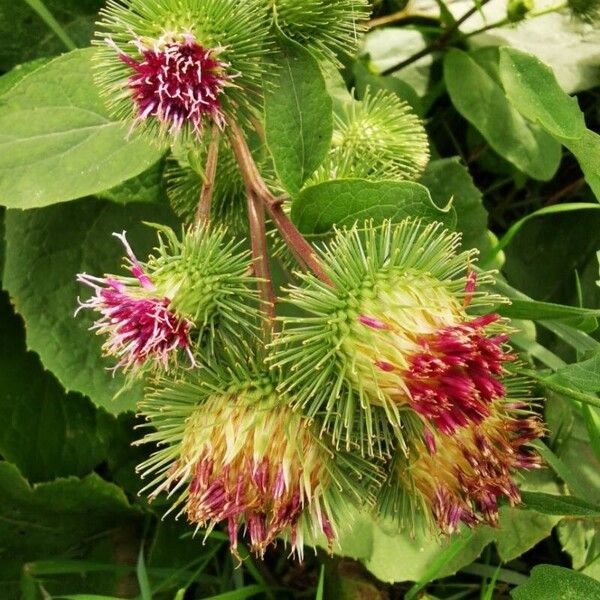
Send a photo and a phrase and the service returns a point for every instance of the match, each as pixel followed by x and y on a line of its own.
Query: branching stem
pixel 439 43
pixel 256 186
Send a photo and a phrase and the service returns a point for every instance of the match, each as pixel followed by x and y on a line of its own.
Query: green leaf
pixel 57 142
pixel 583 375
pixel 46 248
pixel 584 319
pixel 533 90
pixel 298 116
pixel 549 582
pixel 456 547
pixel 142 576
pixel 344 201
pixel 520 530
pixel 448 180
pixel 60 518
pixel 67 428
pixel 321 584
pixel 25 36
pixel 544 256
pixel 546 210
pixel 145 187
pixel 10 79
pixel 587 152
pixel 482 101
pixel 246 592
pixel 378 544
pixel 551 504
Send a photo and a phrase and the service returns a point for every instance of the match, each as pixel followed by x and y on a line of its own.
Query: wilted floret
pixel 461 478
pixel 243 458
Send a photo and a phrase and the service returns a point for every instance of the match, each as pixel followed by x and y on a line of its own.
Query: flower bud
pixel 517 10
pixel 170 66
pixel 326 27
pixel 377 138
pixel 234 452
pixel 186 290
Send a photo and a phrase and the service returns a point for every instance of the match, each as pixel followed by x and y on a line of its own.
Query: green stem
pixel 40 8
pixel 506 21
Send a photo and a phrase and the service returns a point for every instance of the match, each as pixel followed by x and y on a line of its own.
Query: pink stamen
pixel 373 323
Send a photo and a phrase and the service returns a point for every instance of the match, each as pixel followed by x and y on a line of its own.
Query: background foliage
pixel 516 169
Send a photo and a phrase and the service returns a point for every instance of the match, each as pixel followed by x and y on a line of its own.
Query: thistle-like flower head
pixel 188 288
pixel 171 66
pixel 140 326
pixel 233 452
pixel 377 138
pixel 460 479
pixel 326 27
pixel 393 334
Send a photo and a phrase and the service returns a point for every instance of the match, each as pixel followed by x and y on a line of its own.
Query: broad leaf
pixel 46 248
pixel 583 375
pixel 344 201
pixel 448 180
pixel 66 429
pixel 10 79
pixel 587 152
pixel 60 518
pixel 482 101
pixel 545 255
pixel 394 556
pixel 533 90
pixel 552 504
pixel 58 143
pixel 298 116
pixel 549 582
pixel 148 186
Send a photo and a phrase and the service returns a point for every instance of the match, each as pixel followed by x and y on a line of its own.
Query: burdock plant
pixel 389 387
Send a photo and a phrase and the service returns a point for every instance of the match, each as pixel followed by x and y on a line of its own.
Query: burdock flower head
pixel 174 301
pixel 379 137
pixel 172 66
pixel 394 333
pixel 460 479
pixel 232 451
pixel 326 27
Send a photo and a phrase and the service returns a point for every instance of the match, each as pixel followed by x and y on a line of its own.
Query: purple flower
pixel 139 325
pixel 178 82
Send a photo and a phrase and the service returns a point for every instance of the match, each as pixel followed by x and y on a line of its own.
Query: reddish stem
pixel 258 240
pixel 254 182
pixel 210 172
